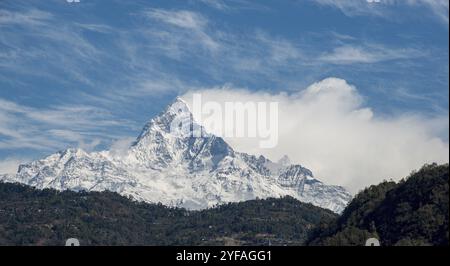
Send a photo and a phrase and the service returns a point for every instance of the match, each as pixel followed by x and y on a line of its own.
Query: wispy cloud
pixel 33 17
pixel 55 128
pixel 383 8
pixel 279 50
pixel 188 20
pixel 354 7
pixel 439 7
pixel 350 54
pixel 217 4
pixel 142 55
pixel 61 44
pixel 183 18
pixel 188 36
pixel 95 78
pixel 233 5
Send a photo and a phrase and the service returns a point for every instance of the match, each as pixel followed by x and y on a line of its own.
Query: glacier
pixel 182 171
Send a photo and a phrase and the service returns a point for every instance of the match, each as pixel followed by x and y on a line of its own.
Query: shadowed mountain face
pixel 164 165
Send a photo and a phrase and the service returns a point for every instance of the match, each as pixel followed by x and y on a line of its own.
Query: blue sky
pixel 87 74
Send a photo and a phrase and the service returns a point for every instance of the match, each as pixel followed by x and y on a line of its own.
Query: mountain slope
pixel 413 212
pixel 48 217
pixel 164 165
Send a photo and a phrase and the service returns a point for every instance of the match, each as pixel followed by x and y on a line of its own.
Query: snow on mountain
pixel 178 170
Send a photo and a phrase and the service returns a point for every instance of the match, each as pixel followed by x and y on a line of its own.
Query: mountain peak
pixel 177 110
pixel 178 99
pixel 285 160
pixel 175 113
pixel 175 169
pixel 178 106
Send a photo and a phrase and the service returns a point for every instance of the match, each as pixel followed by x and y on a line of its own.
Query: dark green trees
pixel 413 212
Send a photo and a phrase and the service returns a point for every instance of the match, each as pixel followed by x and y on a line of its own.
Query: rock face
pixel 178 170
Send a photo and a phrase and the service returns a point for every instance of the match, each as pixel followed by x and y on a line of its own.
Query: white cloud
pixel 10 165
pixel 120 146
pixel 328 128
pixel 75 137
pixel 349 54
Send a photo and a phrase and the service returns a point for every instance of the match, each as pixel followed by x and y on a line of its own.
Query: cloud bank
pixel 328 128
pixel 10 165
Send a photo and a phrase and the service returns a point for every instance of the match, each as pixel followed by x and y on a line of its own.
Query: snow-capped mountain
pixel 178 170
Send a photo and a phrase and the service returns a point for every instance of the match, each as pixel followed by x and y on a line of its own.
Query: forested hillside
pixel 48 217
pixel 413 212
